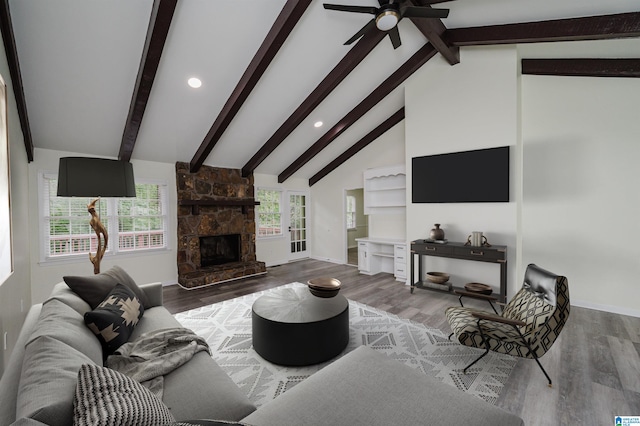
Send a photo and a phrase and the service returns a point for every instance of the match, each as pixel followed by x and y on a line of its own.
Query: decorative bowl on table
pixel 478 288
pixel 324 286
pixel 438 277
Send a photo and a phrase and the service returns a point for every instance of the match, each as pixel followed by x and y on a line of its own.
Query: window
pixel 141 220
pixel 133 224
pixel 269 213
pixel 351 212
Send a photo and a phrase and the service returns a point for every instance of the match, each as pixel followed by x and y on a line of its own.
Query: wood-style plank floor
pixel 594 365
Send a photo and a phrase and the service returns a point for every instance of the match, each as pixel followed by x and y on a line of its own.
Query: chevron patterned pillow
pixel 106 397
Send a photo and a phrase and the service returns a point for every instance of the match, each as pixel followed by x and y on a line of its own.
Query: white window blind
pixel 141 223
pixel 133 224
pixel 269 212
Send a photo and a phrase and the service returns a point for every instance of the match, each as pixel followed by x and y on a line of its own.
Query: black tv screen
pixel 480 176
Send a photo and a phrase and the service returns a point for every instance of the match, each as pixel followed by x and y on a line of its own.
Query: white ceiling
pixel 79 60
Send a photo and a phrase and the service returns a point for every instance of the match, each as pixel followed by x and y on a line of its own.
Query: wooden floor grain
pixel 594 365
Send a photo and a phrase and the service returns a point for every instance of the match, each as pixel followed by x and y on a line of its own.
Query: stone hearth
pixel 217 190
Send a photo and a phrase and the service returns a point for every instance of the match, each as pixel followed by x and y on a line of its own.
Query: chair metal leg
pixel 532 352
pixel 486 344
pixel 543 370
pixel 476 360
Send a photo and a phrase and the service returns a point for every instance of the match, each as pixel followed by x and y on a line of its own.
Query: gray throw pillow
pixel 94 288
pixel 107 397
pixel 114 319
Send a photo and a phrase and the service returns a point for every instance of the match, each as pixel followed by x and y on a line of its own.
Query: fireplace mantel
pixel 195 204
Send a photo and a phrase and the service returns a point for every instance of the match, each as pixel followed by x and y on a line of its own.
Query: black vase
pixel 436 233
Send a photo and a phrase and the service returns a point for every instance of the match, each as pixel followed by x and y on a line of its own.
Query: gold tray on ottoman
pixel 324 286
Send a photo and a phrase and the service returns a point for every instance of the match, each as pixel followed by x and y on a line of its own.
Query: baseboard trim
pixel 223 281
pixel 327 259
pixel 606 308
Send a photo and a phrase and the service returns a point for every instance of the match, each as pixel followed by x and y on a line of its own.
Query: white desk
pixel 377 255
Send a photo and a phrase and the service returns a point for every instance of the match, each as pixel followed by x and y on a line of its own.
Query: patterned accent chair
pixel 528 325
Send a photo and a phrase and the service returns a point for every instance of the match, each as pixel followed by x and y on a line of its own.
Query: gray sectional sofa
pixel 362 388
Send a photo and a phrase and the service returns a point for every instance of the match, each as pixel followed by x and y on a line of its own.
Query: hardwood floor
pixel 595 364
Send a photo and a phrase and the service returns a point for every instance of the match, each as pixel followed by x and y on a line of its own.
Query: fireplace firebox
pixel 219 249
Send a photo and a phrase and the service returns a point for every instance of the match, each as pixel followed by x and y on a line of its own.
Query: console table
pixel 493 254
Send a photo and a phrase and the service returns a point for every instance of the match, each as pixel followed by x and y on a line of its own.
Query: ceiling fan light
pixel 387 20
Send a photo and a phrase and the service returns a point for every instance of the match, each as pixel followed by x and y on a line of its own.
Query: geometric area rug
pixel 226 326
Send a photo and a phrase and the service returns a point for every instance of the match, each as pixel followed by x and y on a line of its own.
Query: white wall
pixel 143 267
pixel 471 105
pixel 17 287
pixel 327 197
pixel 581 204
pixel 275 250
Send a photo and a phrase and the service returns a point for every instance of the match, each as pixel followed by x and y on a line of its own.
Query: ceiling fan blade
pixel 363 30
pixel 346 8
pixel 424 12
pixel 428 2
pixel 394 35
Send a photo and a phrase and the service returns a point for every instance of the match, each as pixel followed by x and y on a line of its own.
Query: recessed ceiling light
pixel 317 124
pixel 194 82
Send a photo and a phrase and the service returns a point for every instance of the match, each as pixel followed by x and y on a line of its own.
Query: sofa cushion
pixel 61 322
pixel 200 389
pixel 48 381
pixel 63 293
pixel 366 387
pixel 94 288
pixel 114 319
pixel 107 397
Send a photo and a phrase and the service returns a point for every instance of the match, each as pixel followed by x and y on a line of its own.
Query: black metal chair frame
pixel 498 318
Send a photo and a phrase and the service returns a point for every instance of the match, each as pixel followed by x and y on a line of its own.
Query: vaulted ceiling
pixel 109 78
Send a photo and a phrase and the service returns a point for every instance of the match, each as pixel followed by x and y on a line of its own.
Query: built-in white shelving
pixel 385 190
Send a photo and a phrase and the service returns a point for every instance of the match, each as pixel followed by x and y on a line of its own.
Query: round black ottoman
pixel 293 327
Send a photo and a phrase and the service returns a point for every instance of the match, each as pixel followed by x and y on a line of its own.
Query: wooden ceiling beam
pixel 157 32
pixel 282 27
pixel 11 52
pixel 397 117
pixel 433 29
pixel 626 67
pixel 387 86
pixel 572 29
pixel 330 82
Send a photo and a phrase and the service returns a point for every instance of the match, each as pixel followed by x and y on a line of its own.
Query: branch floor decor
pixel 226 326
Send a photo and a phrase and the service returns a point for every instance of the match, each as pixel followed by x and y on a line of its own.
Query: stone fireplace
pixel 216 226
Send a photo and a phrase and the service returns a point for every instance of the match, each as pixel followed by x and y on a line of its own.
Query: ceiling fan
pixel 388 15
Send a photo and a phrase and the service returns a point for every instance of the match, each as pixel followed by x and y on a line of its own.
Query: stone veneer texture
pixel 213 183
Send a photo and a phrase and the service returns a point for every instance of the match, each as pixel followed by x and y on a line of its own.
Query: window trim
pixel 257 214
pixel 110 222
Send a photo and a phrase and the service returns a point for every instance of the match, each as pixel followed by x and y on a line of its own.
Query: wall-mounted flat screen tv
pixel 480 176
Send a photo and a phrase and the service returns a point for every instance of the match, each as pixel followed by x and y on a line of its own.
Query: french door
pixel 298 221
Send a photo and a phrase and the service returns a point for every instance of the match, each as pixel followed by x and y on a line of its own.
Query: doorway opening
pixel 356 223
